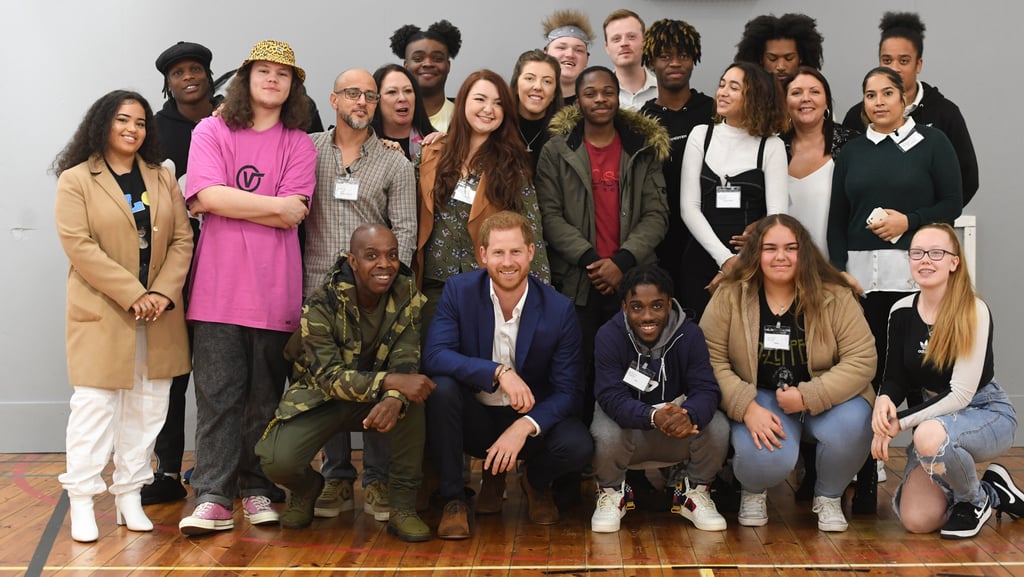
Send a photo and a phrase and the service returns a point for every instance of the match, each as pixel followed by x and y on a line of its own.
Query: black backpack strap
pixel 760 153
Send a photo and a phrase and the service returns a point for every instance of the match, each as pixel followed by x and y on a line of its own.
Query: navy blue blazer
pixel 549 353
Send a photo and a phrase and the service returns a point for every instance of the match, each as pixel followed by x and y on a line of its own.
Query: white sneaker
pixel 881 471
pixel 610 509
pixel 694 503
pixel 830 514
pixel 753 509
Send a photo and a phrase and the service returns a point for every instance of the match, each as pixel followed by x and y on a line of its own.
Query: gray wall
pixel 62 55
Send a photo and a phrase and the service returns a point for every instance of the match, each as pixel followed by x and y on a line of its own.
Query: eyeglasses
pixel 935 254
pixel 353 94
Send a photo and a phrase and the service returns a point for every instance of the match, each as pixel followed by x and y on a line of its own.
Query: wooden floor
pixel 35 541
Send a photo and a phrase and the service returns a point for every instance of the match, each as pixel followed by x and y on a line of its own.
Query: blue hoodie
pixel 685 374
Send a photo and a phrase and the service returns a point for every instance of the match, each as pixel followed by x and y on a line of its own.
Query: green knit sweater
pixel 922 183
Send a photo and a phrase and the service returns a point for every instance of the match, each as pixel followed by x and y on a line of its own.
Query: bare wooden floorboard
pixel 649 543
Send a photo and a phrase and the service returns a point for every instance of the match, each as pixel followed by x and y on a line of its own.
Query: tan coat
pixel 478 213
pixel 98 233
pixel 841 354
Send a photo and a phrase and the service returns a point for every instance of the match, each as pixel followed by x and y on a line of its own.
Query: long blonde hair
pixel 954 331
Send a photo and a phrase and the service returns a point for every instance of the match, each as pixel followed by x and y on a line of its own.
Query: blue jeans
pixel 843 434
pixel 981 431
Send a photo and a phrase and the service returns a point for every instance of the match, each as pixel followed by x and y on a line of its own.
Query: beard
pixel 356 124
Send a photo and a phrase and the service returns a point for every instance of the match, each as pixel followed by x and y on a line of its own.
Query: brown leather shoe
pixel 542 506
pixel 492 492
pixel 454 521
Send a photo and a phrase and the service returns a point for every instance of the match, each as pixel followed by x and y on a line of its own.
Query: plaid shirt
pixel 387 195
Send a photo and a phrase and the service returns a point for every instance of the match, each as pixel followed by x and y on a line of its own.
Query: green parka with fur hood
pixel 563 183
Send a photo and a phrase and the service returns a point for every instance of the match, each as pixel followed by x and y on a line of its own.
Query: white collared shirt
pixel 635 100
pixel 898 136
pixel 889 269
pixel 917 101
pixel 503 350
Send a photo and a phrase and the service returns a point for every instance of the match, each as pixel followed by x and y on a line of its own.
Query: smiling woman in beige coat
pixel 122 222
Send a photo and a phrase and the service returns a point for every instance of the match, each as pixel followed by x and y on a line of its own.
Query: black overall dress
pixel 698 266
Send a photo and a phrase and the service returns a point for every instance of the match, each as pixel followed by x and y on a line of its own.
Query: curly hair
pixel 420 120
pixel 93 134
pixel 764 112
pixel 501 157
pixel 650 274
pixel 238 114
pixel 813 271
pixel 537 55
pixel 800 28
pixel 828 127
pixel 561 18
pixel 442 31
pixel 903 25
pixel 665 35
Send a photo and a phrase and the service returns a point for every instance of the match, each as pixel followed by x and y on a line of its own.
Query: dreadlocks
pixel 666 34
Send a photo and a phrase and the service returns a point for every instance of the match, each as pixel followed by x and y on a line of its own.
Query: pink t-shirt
pixel 246 273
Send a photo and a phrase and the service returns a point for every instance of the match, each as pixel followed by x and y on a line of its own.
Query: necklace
pixel 529 143
pixel 781 308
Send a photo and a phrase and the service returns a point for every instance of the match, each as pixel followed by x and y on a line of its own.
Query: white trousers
pixel 125 421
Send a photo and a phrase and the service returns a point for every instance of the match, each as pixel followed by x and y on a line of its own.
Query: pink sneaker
pixel 206 518
pixel 258 510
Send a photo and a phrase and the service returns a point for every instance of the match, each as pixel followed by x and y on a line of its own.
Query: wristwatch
pixel 502 369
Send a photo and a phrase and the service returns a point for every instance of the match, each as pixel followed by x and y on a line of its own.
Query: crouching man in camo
pixel 356 357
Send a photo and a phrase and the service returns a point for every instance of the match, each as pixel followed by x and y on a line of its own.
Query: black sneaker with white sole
pixel 966 520
pixel 1011 498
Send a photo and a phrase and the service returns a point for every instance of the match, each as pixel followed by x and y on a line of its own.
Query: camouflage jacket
pixel 328 345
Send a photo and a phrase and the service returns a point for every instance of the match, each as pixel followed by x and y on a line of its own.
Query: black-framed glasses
pixel 353 94
pixel 935 254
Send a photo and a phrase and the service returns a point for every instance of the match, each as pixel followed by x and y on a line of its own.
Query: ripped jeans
pixel 981 431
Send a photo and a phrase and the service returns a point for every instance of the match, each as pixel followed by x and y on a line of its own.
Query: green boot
pixel 407 526
pixel 299 513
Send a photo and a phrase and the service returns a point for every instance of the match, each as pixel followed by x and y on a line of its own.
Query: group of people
pixel 584 270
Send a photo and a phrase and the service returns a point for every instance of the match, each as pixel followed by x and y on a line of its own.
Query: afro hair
pixel 801 28
pixel 442 31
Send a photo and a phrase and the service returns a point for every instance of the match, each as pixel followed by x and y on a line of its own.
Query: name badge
pixel 727 196
pixel 464 192
pixel 641 377
pixel 346 188
pixel 776 338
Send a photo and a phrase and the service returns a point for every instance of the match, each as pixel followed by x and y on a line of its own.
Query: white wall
pixel 62 55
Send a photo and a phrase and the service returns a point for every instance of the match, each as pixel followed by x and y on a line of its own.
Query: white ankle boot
pixel 130 513
pixel 83 520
